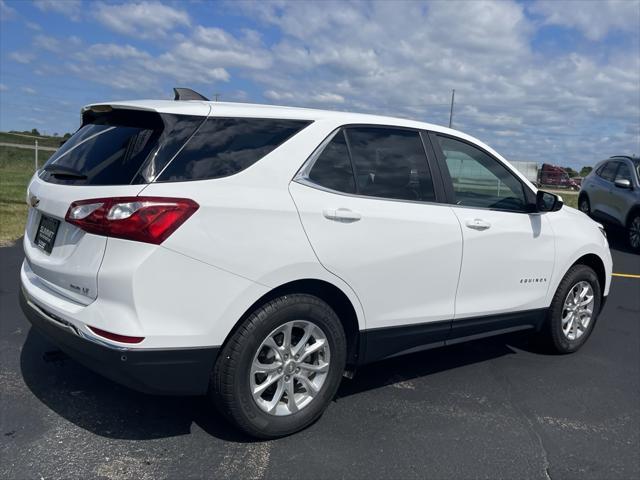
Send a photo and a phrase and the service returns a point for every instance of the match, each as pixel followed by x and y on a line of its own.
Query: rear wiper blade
pixel 60 171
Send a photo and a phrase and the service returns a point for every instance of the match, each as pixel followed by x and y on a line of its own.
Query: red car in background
pixel 551 175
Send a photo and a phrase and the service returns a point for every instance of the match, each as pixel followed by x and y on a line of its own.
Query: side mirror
pixel 548 202
pixel 623 183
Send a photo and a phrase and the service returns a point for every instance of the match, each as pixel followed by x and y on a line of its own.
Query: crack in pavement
pixel 527 417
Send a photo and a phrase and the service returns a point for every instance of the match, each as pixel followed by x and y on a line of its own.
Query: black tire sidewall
pixel 576 274
pixel 584 199
pixel 247 413
pixel 631 219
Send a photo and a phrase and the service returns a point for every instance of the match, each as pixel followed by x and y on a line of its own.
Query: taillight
pixel 142 219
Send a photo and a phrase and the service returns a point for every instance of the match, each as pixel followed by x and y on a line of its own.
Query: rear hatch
pixel 115 153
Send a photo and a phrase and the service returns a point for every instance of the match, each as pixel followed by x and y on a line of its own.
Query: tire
pixel 633 231
pixel 233 379
pixel 584 205
pixel 554 334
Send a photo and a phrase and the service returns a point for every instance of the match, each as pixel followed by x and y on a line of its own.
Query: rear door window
pixel 119 147
pixel 390 163
pixel 225 146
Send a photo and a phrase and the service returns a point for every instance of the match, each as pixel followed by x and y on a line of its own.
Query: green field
pixel 26 139
pixel 16 168
pixel 569 197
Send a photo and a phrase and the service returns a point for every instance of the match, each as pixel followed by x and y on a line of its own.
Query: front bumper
pixel 156 371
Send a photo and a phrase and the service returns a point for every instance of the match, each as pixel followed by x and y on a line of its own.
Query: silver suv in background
pixel 611 193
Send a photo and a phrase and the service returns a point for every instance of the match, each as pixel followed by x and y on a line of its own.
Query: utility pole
pixel 36 156
pixel 216 96
pixel 453 96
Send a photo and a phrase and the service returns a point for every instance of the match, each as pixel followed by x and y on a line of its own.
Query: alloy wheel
pixel 290 367
pixel 577 312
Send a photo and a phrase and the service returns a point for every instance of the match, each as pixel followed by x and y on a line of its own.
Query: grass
pixel 43 141
pixel 569 197
pixel 16 169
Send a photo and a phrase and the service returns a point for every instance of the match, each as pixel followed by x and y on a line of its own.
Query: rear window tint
pixel 390 163
pixel 333 169
pixel 120 147
pixel 225 146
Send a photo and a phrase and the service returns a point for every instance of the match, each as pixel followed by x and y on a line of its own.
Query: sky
pixel 544 81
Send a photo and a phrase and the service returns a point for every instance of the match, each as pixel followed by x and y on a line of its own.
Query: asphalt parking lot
pixel 487 409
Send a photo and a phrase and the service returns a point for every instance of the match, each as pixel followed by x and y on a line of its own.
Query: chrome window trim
pixel 309 183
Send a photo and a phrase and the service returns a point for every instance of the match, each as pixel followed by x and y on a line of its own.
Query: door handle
pixel 343 215
pixel 478 224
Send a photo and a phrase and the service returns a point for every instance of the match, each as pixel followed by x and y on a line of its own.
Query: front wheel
pixel 583 205
pixel 634 231
pixel 281 368
pixel 573 311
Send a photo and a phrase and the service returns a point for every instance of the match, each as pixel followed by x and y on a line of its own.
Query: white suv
pixel 258 253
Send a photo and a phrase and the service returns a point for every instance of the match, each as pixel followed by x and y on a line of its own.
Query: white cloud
pixel 33 26
pixel 22 57
pixel 594 19
pixel 3 87
pixel 47 42
pixel 69 8
pixel 113 50
pixel 6 12
pixel 405 57
pixel 144 19
pixel 29 90
pixel 396 58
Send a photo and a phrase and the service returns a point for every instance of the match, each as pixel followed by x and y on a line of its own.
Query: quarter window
pixel 479 180
pixel 225 146
pixel 333 169
pixel 390 163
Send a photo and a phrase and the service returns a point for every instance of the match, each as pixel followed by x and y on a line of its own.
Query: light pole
pixel 453 96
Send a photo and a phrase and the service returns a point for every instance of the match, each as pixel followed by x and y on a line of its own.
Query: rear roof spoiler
pixel 187 94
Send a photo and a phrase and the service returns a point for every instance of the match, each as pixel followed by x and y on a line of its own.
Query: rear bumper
pixel 156 371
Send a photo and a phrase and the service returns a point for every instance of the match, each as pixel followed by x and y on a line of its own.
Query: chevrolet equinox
pixel 258 253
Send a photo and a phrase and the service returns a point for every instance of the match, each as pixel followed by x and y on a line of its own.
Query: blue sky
pixel 542 80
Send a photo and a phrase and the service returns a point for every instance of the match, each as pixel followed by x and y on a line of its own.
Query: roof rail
pixel 187 94
pixel 630 157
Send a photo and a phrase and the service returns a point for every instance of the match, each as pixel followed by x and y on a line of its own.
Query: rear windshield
pixel 224 146
pixel 119 147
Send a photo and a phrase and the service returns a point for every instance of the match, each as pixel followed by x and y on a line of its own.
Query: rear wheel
pixel 279 370
pixel 583 205
pixel 634 231
pixel 574 310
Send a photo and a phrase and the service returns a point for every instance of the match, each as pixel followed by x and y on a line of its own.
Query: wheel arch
pixel 594 262
pixel 582 195
pixel 635 210
pixel 335 297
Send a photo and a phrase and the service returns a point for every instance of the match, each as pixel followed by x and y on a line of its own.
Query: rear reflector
pixel 142 219
pixel 115 337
